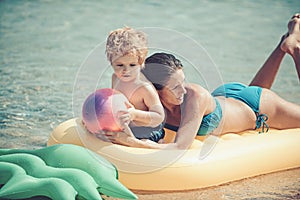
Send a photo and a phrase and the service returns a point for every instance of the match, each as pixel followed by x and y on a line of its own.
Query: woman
pixel 230 108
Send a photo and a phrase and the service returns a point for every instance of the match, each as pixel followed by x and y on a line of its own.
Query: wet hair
pixel 126 41
pixel 159 67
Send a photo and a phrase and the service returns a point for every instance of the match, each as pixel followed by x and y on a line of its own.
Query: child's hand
pixel 131 110
pixel 124 118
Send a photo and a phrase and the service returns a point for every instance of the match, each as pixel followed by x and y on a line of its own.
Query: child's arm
pixel 155 114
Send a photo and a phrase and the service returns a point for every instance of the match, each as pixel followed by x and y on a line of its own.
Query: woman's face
pixel 173 92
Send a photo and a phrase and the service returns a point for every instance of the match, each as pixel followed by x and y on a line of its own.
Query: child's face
pixel 127 67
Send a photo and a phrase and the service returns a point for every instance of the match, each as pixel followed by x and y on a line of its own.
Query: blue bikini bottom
pixel 250 95
pixel 247 94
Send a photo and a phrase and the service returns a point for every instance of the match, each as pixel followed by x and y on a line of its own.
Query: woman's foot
pixel 291 40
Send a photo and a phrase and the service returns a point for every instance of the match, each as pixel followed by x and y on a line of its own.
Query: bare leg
pixel 291 44
pixel 282 114
pixel 267 73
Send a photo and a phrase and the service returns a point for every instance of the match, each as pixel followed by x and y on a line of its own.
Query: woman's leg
pixel 290 43
pixel 282 114
pixel 267 73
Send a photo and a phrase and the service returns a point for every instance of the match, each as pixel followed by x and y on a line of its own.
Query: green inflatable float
pixel 84 171
pixel 20 185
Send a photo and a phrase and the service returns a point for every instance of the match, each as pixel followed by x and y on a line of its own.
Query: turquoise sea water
pixel 43 44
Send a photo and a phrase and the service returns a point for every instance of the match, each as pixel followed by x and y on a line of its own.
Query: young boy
pixel 126 50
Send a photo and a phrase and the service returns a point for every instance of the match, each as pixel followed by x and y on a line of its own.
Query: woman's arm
pixel 197 101
pixel 127 138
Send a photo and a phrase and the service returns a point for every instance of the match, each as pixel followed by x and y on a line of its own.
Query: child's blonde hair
pixel 126 41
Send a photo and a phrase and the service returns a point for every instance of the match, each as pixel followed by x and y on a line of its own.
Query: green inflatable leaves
pixel 34 166
pixel 62 157
pixel 19 185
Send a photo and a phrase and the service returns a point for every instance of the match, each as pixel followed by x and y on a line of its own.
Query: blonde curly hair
pixel 126 41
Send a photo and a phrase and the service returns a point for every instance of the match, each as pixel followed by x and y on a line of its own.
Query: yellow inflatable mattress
pixel 210 162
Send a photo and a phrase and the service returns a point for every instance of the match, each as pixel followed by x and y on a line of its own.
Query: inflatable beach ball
pixel 100 110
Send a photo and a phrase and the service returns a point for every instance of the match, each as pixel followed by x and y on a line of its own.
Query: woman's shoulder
pixel 201 96
pixel 195 89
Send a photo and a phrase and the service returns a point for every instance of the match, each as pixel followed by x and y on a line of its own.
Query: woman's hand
pixel 125 137
pixel 102 136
